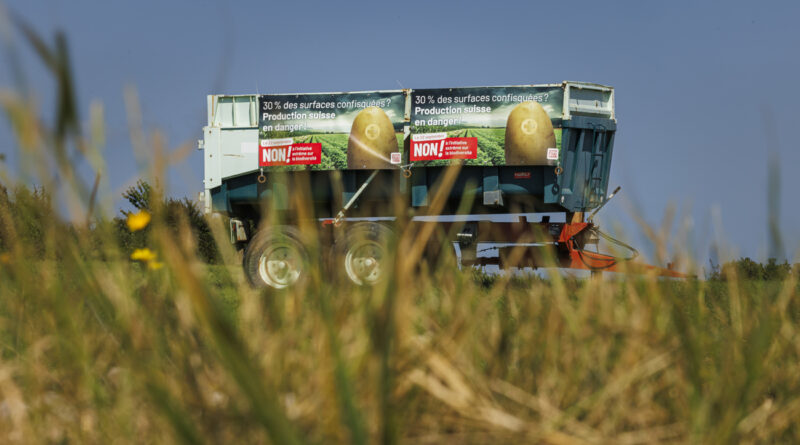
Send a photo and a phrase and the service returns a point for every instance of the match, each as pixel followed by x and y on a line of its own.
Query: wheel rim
pixel 281 265
pixel 365 262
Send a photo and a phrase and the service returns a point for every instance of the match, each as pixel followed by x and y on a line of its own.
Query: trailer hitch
pixel 579 258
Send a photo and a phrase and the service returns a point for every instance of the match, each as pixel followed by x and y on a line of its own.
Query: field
pixel 113 350
pixel 105 344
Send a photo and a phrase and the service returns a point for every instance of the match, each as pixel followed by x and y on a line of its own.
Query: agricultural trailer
pixel 519 151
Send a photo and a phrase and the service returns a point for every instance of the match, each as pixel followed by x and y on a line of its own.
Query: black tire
pixel 276 257
pixel 365 254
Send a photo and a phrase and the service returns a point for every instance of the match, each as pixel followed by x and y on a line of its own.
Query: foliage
pixel 138 196
pixel 25 216
pixel 175 211
pixel 747 269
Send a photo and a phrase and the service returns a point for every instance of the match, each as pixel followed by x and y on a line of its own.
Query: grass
pixel 95 351
pixel 112 351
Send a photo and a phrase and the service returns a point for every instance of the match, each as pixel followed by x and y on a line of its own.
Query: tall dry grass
pixel 102 350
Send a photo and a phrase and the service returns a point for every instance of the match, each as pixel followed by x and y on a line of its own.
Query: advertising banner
pixel 486 125
pixel 331 131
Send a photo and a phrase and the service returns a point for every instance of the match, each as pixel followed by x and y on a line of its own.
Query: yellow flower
pixel 138 221
pixel 155 265
pixel 145 255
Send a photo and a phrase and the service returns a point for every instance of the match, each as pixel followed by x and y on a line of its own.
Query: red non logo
pixel 447 148
pixel 293 154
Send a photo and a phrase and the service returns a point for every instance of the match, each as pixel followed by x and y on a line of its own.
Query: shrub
pixel 747 269
pixel 176 212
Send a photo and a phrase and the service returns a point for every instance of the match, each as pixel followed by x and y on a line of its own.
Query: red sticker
pixel 522 175
pixel 425 147
pixel 271 154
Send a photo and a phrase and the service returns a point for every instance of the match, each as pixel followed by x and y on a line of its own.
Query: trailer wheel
pixel 275 258
pixel 365 252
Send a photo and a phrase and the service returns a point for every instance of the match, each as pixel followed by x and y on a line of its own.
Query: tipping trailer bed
pixel 522 149
pixel 573 178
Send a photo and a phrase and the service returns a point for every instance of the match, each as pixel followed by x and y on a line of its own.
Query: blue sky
pixel 706 91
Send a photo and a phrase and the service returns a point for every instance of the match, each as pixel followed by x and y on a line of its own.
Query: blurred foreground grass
pixel 112 351
pixel 99 349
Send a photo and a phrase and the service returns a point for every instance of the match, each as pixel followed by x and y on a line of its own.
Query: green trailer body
pixel 254 144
